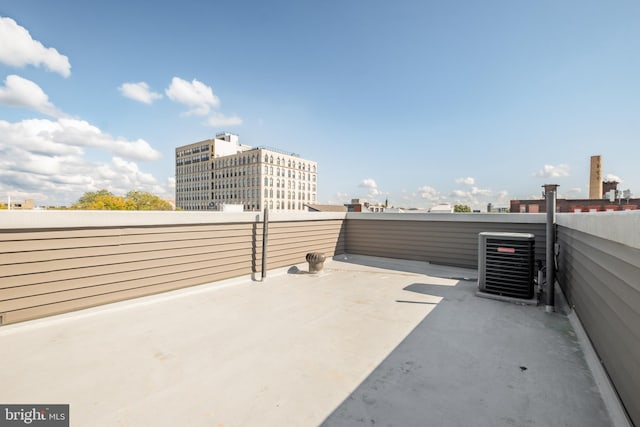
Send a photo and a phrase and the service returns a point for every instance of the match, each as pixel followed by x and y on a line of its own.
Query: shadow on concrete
pixel 478 362
pixel 407 266
pixel 416 302
pixel 435 289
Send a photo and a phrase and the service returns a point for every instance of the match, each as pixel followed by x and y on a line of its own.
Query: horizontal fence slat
pixel 131 280
pixel 91 276
pixel 599 277
pixel 96 300
pixel 50 271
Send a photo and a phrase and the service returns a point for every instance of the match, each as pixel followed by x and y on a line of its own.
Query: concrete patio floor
pixel 368 341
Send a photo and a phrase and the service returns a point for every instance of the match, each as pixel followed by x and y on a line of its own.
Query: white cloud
pixel 339 198
pixel 369 183
pixel 68 137
pixel 46 160
pixel 466 181
pixel 131 174
pixel 477 198
pixel 503 196
pixel 473 192
pixel 195 95
pixel 139 92
pixel 18 48
pixel 200 100
pixel 550 171
pixel 80 133
pixel 611 177
pixel 20 92
pixel 374 194
pixel 36 135
pixel 429 193
pixel 220 120
pixel 480 191
pixel 571 193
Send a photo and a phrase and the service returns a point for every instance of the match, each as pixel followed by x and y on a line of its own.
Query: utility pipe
pixel 550 259
pixel 265 236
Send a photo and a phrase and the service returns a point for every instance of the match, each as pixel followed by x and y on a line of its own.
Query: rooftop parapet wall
pixel 448 238
pixel 621 227
pixel 11 220
pixel 599 272
pixel 492 218
pixel 55 262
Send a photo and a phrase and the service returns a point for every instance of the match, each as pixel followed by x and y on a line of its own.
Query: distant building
pixel 612 200
pixel 24 205
pixel 221 171
pixel 227 207
pixel 496 209
pixel 326 208
pixel 361 205
pixel 442 208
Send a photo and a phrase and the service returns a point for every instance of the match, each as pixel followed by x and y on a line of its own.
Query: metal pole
pixel 265 236
pixel 550 261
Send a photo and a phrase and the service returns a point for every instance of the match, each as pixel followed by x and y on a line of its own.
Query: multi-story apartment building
pixel 217 172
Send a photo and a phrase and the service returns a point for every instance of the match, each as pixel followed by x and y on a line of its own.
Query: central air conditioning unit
pixel 506 264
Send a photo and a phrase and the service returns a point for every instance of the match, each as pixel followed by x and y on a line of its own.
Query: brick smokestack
pixel 595 178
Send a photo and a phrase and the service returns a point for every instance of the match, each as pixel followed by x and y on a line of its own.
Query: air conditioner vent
pixel 506 264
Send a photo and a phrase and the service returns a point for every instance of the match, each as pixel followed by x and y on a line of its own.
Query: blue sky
pixel 417 102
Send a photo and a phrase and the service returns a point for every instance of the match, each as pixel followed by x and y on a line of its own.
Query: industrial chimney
pixel 595 178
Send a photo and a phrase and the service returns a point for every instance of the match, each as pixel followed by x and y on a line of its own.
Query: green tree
pixel 144 201
pixel 461 208
pixel 134 200
pixel 102 200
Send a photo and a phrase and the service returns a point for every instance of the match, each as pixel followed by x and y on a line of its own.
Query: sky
pixel 415 102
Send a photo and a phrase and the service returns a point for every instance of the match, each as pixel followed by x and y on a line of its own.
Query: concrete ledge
pixel 25 219
pixel 619 227
pixel 455 217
